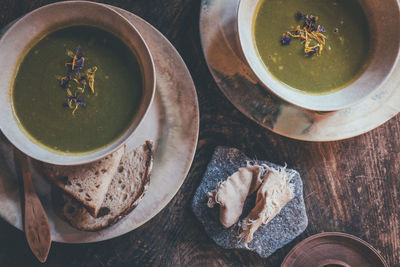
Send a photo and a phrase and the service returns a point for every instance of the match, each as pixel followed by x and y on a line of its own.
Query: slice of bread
pixel 124 194
pixel 87 183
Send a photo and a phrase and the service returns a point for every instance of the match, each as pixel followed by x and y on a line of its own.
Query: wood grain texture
pixel 350 186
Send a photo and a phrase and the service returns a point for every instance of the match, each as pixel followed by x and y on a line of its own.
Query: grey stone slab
pixel 287 225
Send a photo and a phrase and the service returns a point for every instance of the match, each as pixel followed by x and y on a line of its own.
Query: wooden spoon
pixel 36 225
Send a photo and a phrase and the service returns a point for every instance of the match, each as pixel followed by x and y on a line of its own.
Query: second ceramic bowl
pixel 383 19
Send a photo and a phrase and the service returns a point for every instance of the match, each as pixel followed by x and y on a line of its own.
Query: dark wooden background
pixel 350 186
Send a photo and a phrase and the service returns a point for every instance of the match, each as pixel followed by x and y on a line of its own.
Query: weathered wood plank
pixel 350 186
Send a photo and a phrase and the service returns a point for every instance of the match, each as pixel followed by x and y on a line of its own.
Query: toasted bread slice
pixel 124 194
pixel 87 183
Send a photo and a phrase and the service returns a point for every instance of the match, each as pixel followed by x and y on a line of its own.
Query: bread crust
pixel 63 201
pixel 67 177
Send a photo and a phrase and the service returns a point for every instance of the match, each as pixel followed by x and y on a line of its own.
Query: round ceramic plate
pixel 172 123
pixel 236 80
pixel 333 249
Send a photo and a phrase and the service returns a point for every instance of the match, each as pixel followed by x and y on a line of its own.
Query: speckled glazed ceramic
pixel 172 123
pixel 235 78
pixel 20 37
pixel 382 17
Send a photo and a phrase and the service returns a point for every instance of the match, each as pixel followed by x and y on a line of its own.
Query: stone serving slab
pixel 287 225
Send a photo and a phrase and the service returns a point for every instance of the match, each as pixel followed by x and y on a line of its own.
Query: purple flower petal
pixel 80 102
pixel 78 51
pixel 320 28
pixel 285 40
pixel 299 16
pixel 312 52
pixel 79 63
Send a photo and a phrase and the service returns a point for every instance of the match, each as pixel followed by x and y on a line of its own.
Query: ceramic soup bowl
pixel 383 22
pixel 26 32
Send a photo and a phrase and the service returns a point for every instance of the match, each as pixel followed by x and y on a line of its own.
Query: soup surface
pixel 344 53
pixel 41 104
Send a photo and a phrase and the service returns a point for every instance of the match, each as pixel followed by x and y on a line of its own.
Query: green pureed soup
pixel 58 115
pixel 342 58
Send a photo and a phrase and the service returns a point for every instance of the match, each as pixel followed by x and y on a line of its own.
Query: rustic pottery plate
pixel 333 249
pixel 218 19
pixel 172 123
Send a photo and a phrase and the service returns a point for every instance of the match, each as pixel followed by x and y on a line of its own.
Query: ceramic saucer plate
pixel 172 123
pixel 333 250
pixel 237 82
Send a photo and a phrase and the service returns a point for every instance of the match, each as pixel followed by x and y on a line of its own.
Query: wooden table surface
pixel 350 186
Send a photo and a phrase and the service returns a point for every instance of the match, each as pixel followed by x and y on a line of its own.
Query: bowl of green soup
pixel 320 55
pixel 77 79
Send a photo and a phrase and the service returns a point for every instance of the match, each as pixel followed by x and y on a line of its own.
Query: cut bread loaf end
pixel 87 183
pixel 127 188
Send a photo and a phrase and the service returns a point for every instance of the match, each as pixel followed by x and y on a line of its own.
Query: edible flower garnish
pixel 90 77
pixel 310 33
pixel 285 39
pixel 76 80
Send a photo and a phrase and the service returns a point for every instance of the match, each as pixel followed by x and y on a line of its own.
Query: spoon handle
pixel 36 225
